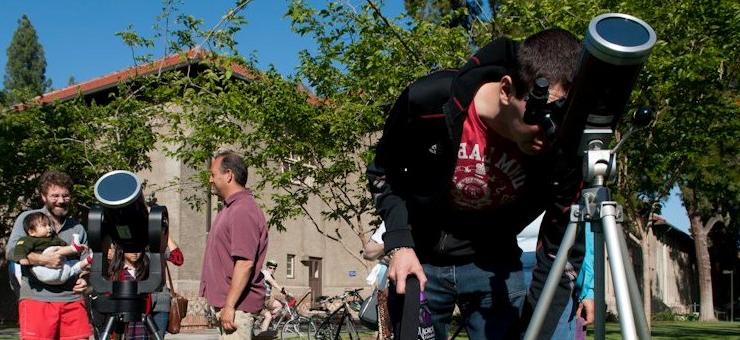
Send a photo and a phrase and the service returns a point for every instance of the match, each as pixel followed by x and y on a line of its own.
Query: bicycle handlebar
pixel 344 295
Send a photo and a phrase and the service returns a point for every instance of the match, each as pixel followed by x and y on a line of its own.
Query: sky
pixel 79 40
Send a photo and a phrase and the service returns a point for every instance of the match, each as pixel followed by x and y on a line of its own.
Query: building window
pixel 294 164
pixel 290 266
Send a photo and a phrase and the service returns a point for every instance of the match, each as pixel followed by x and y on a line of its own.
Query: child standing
pixel 41 238
pixel 132 265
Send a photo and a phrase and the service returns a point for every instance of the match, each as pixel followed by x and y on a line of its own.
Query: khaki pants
pixel 244 323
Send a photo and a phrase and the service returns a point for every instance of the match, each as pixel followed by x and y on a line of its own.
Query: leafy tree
pixel 695 87
pixel 26 66
pixel 452 13
pixel 311 143
pixel 433 10
pixel 84 140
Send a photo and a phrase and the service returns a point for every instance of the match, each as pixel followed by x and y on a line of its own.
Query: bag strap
pixel 411 304
pixel 169 277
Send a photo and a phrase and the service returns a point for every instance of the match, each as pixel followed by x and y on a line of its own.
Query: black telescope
pixel 615 48
pixel 122 216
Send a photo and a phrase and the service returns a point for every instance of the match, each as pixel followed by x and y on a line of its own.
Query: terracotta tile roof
pixel 168 63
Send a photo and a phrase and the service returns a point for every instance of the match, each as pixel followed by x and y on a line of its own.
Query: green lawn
pixel 682 330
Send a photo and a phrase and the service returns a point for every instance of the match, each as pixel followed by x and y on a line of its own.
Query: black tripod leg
pixel 149 322
pixel 109 322
pixel 599 281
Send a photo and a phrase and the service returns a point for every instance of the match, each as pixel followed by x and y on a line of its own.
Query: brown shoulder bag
pixel 178 307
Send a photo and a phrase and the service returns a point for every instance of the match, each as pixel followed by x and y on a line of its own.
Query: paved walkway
pixel 196 334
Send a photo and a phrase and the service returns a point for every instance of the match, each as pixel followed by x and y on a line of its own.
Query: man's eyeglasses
pixel 272 268
pixel 58 197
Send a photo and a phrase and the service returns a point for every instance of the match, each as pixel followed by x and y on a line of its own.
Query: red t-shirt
pixel 489 171
pixel 238 232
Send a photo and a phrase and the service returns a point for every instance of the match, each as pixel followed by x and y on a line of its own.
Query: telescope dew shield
pixel 614 50
pixel 125 213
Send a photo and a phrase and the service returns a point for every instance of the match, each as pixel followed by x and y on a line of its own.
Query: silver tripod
pixel 603 214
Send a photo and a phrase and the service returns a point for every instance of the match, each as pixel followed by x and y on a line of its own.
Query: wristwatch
pixel 394 250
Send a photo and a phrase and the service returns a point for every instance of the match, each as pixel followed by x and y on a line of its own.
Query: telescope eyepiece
pixel 536 101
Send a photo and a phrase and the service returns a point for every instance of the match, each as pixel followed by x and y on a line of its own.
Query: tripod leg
pixel 599 281
pixel 619 277
pixel 149 322
pixel 640 318
pixel 105 335
pixel 553 278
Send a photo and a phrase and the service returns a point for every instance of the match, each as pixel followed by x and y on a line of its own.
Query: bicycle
pixel 288 321
pixel 330 327
pixel 297 326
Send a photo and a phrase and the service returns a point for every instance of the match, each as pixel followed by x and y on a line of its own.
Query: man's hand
pixel 49 261
pixel 587 308
pixel 80 286
pixel 404 263
pixel 227 319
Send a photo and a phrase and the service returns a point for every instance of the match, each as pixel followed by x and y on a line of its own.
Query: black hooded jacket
pixel 410 176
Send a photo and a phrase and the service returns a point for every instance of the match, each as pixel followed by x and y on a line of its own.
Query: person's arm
pixel 239 280
pixel 271 280
pixel 49 261
pixel 586 295
pixel 383 176
pixel 81 285
pixel 175 256
pixel 171 243
pixel 587 268
pixel 372 250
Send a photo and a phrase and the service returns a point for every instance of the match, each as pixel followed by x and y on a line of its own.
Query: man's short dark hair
pixel 33 219
pixel 231 161
pixel 57 178
pixel 552 54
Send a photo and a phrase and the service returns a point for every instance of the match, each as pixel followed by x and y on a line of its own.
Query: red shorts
pixel 53 320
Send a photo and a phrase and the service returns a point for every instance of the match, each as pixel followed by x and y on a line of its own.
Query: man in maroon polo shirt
pixel 237 244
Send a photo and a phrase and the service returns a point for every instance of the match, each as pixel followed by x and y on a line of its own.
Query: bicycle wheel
pixel 326 329
pixel 299 328
pixel 350 327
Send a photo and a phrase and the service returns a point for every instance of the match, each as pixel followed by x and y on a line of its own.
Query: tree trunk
pixel 704 265
pixel 648 270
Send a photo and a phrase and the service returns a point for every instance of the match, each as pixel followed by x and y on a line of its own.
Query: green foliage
pixel 26 66
pixel 437 10
pixel 312 144
pixel 671 316
pixel 84 140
